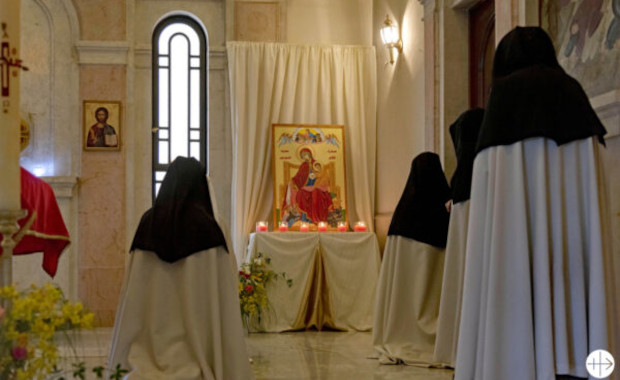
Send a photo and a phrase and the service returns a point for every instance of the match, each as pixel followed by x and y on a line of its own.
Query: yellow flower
pixel 31 323
pixel 22 339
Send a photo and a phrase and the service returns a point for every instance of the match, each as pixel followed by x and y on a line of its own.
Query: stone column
pixel 446 49
pixel 431 133
pixel 10 68
pixel 509 14
pixel 9 95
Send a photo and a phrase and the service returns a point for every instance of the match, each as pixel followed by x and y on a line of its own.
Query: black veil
pixel 181 221
pixel 532 96
pixel 421 213
pixel 464 132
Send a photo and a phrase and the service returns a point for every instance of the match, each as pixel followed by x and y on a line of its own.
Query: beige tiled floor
pixel 326 356
pixel 293 356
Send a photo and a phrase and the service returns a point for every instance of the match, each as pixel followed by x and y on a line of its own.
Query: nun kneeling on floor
pixel 178 316
pixel 464 132
pixel 537 292
pixel 407 296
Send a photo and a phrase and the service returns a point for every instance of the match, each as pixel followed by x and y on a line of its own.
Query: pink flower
pixel 19 353
pixel 249 288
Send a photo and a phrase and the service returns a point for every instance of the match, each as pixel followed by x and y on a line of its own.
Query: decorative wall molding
pixel 142 56
pixel 218 60
pixel 429 6
pixel 258 21
pixel 102 52
pixel 62 185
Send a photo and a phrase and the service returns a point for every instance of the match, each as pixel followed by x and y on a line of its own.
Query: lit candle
pixel 322 226
pixel 360 227
pixel 262 226
pixel 9 102
pixel 283 227
pixel 342 226
pixel 304 227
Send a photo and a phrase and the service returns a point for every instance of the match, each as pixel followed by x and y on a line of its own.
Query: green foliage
pixel 254 277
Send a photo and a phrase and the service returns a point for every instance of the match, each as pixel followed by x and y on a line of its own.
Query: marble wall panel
pixel 99 290
pixel 344 22
pixel 101 20
pixel 220 144
pixel 101 210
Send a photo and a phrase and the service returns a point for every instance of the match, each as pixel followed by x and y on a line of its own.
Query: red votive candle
pixel 262 226
pixel 322 226
pixel 360 227
pixel 283 227
pixel 304 227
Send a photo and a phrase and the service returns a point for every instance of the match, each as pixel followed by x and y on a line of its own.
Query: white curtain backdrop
pixel 298 84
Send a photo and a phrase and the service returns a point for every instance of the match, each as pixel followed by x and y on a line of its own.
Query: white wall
pixel 400 104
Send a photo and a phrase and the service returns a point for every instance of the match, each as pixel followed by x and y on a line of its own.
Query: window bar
pixel 170 101
pixel 204 113
pixel 200 115
pixel 189 96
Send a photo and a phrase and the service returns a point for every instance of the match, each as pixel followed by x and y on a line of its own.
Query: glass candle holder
pixel 322 226
pixel 360 227
pixel 304 227
pixel 342 226
pixel 262 226
pixel 283 227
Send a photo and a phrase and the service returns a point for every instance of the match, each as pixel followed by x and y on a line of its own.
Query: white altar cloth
pixel 334 278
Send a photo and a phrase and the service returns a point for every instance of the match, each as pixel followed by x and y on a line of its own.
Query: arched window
pixel 179 94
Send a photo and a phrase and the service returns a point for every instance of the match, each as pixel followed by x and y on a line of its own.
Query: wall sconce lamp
pixel 390 37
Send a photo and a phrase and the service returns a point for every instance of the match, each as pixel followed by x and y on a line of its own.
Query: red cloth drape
pixel 48 233
pixel 315 202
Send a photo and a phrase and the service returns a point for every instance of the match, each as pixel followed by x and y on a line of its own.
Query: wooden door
pixel 481 51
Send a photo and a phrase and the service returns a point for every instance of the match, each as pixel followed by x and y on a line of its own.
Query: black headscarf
pixel 464 132
pixel 532 96
pixel 181 222
pixel 421 213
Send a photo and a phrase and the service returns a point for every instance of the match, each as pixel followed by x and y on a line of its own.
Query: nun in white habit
pixel 534 291
pixel 407 296
pixel 178 316
pixel 464 132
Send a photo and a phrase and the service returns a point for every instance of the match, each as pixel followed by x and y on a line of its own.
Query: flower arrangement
pixel 28 328
pixel 254 276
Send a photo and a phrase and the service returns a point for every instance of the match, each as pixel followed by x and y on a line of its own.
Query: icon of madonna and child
pixel 309 192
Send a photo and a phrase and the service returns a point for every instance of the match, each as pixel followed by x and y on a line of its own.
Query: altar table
pixel 334 278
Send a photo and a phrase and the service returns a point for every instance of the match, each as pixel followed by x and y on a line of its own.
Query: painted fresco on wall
pixel 309 175
pixel 586 35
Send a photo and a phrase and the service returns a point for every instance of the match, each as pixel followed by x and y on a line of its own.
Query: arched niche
pixel 50 89
pixel 49 102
